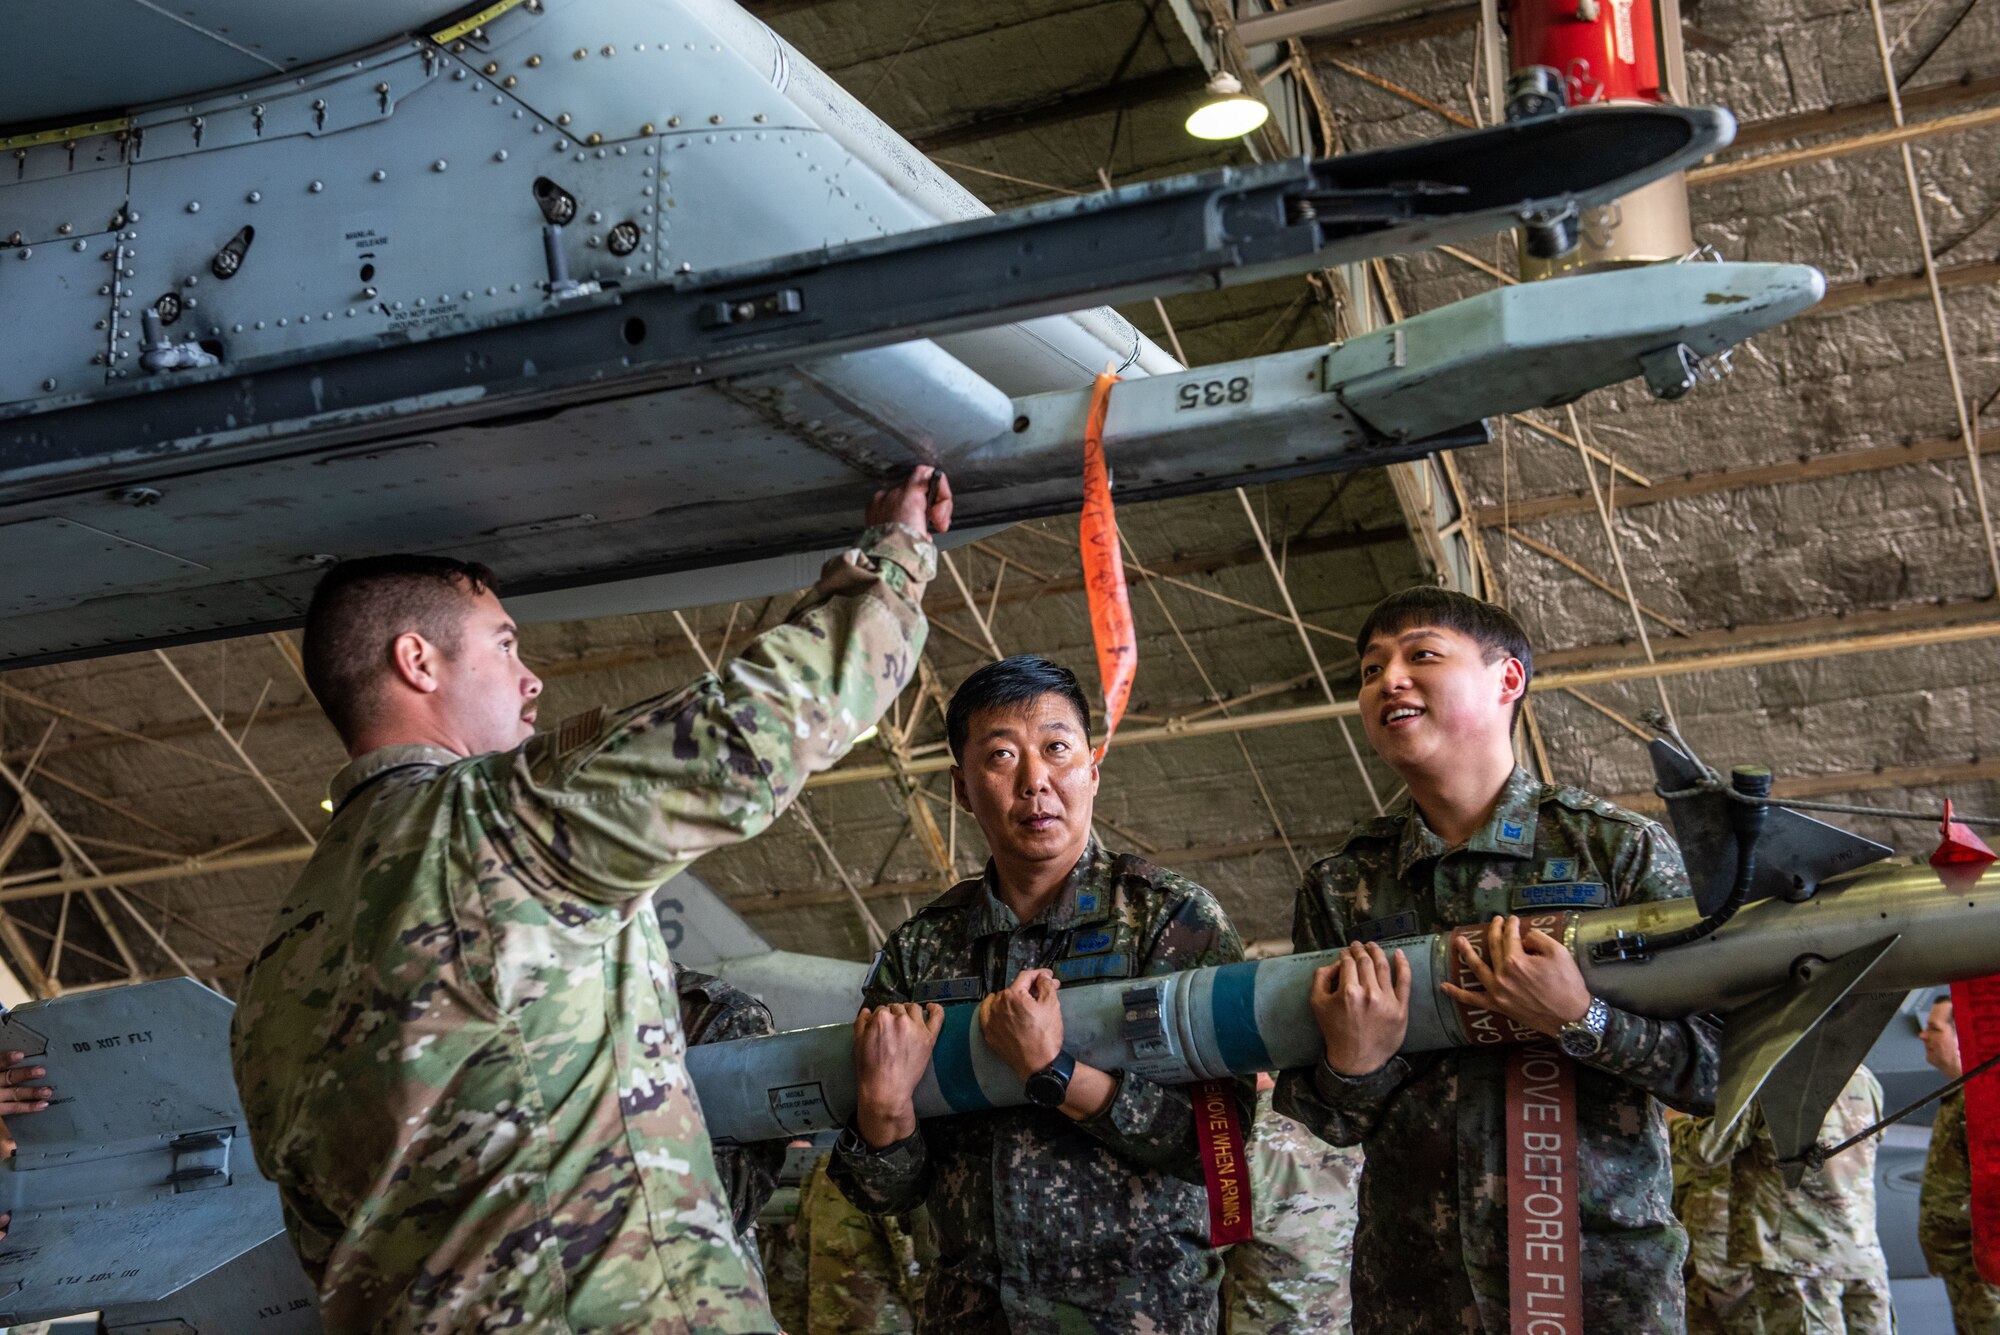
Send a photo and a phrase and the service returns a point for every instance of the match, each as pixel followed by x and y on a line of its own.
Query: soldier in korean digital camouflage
pixel 1291 1276
pixel 713 1011
pixel 1814 1259
pixel 459 1052
pixel 1084 1213
pixel 1944 1210
pixel 1442 678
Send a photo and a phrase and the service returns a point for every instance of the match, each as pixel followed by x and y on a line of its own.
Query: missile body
pixel 1898 927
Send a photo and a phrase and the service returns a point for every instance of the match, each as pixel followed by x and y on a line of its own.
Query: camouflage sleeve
pixel 611 805
pixel 713 1011
pixel 1678 1062
pixel 1695 1141
pixel 1150 1124
pixel 1339 1109
pixel 896 1178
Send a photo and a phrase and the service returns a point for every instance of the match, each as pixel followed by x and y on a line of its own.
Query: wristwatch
pixel 1585 1037
pixel 1048 1087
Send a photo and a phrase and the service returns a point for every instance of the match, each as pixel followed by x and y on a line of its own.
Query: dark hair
pixel 1489 625
pixel 358 610
pixel 1011 681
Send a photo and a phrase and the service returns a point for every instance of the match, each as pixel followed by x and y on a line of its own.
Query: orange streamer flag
pixel 1104 570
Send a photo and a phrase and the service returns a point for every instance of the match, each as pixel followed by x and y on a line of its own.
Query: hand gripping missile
pixel 1806 981
pixel 1876 933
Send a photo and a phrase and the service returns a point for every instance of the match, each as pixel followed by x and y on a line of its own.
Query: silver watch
pixel 1585 1037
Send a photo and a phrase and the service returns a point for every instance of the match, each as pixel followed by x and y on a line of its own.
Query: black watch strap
pixel 1048 1087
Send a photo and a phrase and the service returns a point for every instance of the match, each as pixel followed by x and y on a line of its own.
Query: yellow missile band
pixel 479 20
pixel 36 138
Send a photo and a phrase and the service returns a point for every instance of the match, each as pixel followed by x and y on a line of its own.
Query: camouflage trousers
pixel 1781 1304
pixel 1715 1297
pixel 834 1270
pixel 1975 1304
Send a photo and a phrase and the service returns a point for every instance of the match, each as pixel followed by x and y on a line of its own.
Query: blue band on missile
pixel 1233 1012
pixel 951 1062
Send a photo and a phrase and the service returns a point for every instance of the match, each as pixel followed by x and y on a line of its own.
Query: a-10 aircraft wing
pixel 676 307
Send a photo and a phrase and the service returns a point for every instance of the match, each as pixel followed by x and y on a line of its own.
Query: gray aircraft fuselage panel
pixel 597 290
pixel 138 1178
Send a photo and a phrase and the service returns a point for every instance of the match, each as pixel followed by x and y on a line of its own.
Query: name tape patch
pixel 1391 928
pixel 947 989
pixel 1562 894
pixel 1094 966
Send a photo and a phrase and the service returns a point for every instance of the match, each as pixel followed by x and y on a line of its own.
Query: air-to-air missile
pixel 1805 950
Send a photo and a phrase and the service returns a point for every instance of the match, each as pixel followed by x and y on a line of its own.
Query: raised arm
pixel 613 803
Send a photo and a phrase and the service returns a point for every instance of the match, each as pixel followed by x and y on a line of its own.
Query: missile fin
pixel 1794 854
pixel 1805 1084
pixel 1757 1039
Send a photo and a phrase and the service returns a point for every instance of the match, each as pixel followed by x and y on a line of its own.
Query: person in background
pixel 1944 1210
pixel 459 1051
pixel 1815 1262
pixel 1291 1276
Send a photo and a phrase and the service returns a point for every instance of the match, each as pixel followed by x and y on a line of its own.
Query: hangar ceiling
pixel 1801 544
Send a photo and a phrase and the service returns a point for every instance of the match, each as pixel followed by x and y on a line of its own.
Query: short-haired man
pixel 1944 1210
pixel 1442 679
pixel 1087 1212
pixel 459 1052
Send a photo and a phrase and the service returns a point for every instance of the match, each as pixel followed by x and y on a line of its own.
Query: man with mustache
pixel 460 1052
pixel 1084 1213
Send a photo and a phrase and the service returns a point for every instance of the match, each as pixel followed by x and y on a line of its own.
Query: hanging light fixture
pixel 1228 113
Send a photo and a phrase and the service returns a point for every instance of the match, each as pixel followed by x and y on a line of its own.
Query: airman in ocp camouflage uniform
pixel 1816 1263
pixel 1431 1251
pixel 864 1273
pixel 713 1011
pixel 1291 1277
pixel 460 1053
pixel 1047 1226
pixel 1944 1210
pixel 1944 1223
pixel 1715 1288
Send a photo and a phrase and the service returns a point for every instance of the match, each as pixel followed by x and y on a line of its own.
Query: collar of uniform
pixel 383 759
pixel 1510 832
pixel 1085 897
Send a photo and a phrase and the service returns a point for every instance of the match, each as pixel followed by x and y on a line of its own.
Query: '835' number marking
pixel 1212 393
